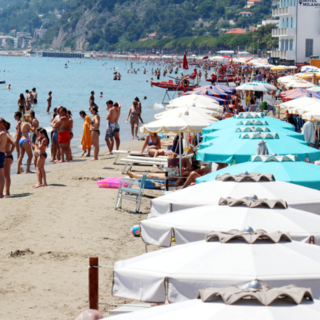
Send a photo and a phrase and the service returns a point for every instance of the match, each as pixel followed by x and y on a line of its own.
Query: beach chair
pixel 120 152
pixel 130 193
pixel 146 161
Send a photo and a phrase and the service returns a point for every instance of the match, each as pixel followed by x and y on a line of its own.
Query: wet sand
pixel 48 234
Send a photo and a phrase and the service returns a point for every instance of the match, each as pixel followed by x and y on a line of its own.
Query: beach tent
pixel 193 224
pixel 178 273
pixel 193 112
pixel 240 150
pixel 291 171
pixel 209 193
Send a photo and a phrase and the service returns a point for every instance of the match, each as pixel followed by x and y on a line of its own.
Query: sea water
pixel 71 88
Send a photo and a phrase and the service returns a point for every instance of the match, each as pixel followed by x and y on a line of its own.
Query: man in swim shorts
pixel 62 125
pixel 112 118
pixel 34 126
pixel 3 142
pixel 117 108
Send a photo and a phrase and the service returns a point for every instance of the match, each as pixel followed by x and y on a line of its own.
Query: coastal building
pixel 4 41
pixel 38 33
pixel 245 14
pixel 253 3
pixel 152 35
pixel 268 21
pixel 22 40
pixel 236 31
pixel 298 31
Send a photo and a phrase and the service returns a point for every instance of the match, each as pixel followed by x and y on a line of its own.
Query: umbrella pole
pixel 180 154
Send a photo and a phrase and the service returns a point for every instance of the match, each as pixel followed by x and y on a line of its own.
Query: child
pixel 40 156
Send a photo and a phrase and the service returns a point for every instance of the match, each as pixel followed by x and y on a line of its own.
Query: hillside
pixel 112 24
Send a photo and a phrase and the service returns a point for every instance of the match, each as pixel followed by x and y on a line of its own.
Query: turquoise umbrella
pixel 233 122
pixel 239 129
pixel 301 173
pixel 240 150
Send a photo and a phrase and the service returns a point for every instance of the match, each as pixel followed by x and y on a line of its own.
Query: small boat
pixel 2 81
pixel 172 86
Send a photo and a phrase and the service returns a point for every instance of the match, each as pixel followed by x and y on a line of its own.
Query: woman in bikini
pixel 9 148
pixel 134 119
pixel 40 155
pixel 69 154
pixel 95 132
pixel 153 145
pixel 22 103
pixel 17 135
pixel 24 143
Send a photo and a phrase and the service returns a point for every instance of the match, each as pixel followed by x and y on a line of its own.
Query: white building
pixel 298 31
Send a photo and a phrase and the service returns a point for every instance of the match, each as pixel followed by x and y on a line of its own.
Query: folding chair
pixel 130 193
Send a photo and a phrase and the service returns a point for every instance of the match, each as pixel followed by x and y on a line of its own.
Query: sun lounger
pixel 119 152
pixel 130 308
pixel 143 161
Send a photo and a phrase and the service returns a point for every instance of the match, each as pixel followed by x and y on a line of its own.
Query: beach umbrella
pixel 234 121
pixel 297 172
pixel 301 103
pixel 240 150
pixel 209 193
pixel 211 91
pixel 252 86
pixel 302 84
pixel 286 79
pixel 192 111
pixel 310 69
pixel 278 68
pixel 178 273
pixel 218 310
pixel 298 93
pixel 217 58
pixel 189 99
pixel 315 89
pixel 193 224
pixel 218 100
pixel 311 115
pixel 233 132
pixel 219 88
pixel 266 85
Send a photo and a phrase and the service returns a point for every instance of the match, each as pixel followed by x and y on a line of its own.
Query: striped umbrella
pixel 212 91
pixel 298 93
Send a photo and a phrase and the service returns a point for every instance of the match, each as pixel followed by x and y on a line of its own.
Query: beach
pixel 48 234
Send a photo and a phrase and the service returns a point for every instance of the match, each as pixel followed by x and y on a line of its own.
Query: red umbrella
pixel 249 59
pixel 185 63
pixel 226 57
pixel 206 57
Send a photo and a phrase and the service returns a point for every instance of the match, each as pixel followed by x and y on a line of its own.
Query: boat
pixel 2 81
pixel 172 86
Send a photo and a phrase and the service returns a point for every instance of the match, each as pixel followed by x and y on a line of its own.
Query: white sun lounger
pixel 163 162
pixel 119 152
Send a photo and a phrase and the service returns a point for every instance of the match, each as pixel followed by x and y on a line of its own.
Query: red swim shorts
pixel 63 137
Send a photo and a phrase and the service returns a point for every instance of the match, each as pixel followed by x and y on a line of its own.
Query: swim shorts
pixel 110 130
pixel 117 128
pixel 63 137
pixel 33 137
pixel 54 136
pixel 2 158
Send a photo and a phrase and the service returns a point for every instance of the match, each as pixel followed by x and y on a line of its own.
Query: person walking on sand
pixel 22 103
pixel 49 100
pixel 3 143
pixel 24 143
pixel 86 140
pixel 62 124
pixel 34 126
pixel 10 146
pixel 55 151
pixel 117 107
pixel 112 119
pixel 95 132
pixel 134 119
pixel 40 155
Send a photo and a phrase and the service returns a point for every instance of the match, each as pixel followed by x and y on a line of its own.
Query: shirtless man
pixel 3 142
pixel 112 120
pixel 117 107
pixel 49 101
pixel 29 99
pixel 34 126
pixel 8 86
pixel 35 95
pixel 61 123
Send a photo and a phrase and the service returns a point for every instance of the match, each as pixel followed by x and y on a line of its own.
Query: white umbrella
pixel 252 86
pixel 199 105
pixel 300 104
pixel 217 58
pixel 287 79
pixel 252 310
pixel 193 112
pixel 315 89
pixel 209 193
pixel 267 85
pixel 192 224
pixel 312 115
pixel 299 84
pixel 198 101
pixel 184 270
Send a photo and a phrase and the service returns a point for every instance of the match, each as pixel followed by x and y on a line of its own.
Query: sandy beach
pixel 48 234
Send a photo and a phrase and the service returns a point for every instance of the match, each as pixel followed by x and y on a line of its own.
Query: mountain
pixel 106 24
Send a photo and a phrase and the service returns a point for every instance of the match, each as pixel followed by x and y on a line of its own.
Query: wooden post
pixel 94 283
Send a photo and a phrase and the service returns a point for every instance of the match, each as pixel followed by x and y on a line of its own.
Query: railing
pixel 283 32
pixel 283 11
pixel 287 55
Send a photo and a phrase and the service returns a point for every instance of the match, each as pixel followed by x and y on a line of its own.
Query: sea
pixel 71 88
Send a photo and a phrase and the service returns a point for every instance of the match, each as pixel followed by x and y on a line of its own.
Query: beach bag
pixel 112 182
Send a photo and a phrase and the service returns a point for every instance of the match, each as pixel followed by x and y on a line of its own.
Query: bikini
pixel 41 154
pixel 133 112
pixel 24 139
pixel 98 131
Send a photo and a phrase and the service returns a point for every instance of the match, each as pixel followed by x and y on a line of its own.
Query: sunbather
pixel 153 145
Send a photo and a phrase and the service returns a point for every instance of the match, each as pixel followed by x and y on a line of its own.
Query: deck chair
pixel 130 193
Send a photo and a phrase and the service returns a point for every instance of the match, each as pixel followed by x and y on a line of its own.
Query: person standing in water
pixel 35 96
pixel 95 132
pixel 139 107
pixel 49 100
pixel 134 119
pixel 28 100
pixel 22 103
pixel 3 143
pixel 91 101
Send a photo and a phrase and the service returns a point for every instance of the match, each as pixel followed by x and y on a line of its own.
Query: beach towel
pixel 112 182
pixel 86 140
pixel 308 132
